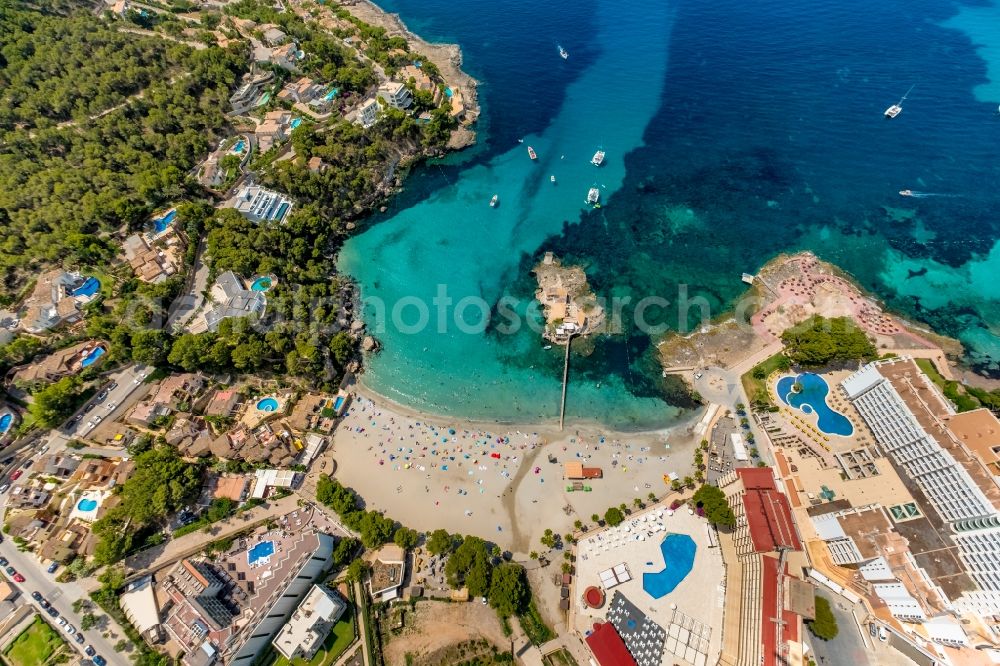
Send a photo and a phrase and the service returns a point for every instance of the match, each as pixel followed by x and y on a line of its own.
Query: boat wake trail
pixel 924 195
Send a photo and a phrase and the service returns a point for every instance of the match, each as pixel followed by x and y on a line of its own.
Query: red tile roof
pixel 768 611
pixel 608 647
pixel 768 513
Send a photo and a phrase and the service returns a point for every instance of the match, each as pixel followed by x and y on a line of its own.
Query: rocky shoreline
pixel 446 57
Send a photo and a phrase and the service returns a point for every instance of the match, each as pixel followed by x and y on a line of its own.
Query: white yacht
pixel 495 201
pixel 593 195
pixel 598 158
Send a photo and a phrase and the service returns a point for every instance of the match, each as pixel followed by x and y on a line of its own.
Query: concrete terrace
pixel 696 601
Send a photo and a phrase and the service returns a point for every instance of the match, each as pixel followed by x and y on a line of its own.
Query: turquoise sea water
pixel 734 131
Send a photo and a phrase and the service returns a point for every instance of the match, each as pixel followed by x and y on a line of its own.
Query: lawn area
pixel 951 389
pixel 533 625
pixel 340 638
pixel 754 382
pixel 35 645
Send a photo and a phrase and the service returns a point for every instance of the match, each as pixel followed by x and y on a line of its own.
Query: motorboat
pixel 532 154
pixel 906 193
pixel 552 179
pixel 598 158
pixel 563 53
pixel 897 108
pixel 495 201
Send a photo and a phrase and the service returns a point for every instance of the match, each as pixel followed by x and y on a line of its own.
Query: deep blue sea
pixel 734 131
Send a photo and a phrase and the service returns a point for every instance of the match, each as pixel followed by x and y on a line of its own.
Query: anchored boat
pixel 598 158
pixel 495 201
pixel 532 154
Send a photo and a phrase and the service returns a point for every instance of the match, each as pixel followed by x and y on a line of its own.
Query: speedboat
pixel 562 53
pixel 593 195
pixel 906 193
pixel 552 179
pixel 598 158
pixel 532 154
pixel 494 201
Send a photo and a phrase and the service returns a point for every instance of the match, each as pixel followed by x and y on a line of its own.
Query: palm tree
pixel 533 554
pixel 578 525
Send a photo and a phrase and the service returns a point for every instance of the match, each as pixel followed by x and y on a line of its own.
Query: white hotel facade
pixel 925 449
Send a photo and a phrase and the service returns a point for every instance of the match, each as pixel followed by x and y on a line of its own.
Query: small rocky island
pixel 571 308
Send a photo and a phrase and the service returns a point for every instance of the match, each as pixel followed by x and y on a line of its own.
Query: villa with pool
pixel 56 299
pixel 659 580
pixel 58 364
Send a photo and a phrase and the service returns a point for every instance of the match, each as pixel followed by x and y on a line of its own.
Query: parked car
pixel 111 406
pixel 51 610
pixel 97 419
pixel 18 578
pixel 77 418
pixel 112 386
pixel 62 621
pixel 37 596
pixel 89 407
pixel 100 661
pixel 79 637
pixel 9 569
pixel 102 395
pixel 3 562
pixel 4 487
pixel 44 604
pixel 52 567
pixel 883 635
pixel 16 475
pixel 89 651
pixel 28 463
pixel 69 629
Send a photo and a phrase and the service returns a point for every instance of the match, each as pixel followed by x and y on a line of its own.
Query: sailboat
pixel 897 108
pixel 593 195
pixel 562 52
pixel 495 201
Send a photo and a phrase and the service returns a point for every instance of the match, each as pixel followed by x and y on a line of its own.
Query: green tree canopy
pixel 613 516
pixel 54 403
pixel 713 502
pixel 820 341
pixel 509 591
pixel 825 624
pixel 441 543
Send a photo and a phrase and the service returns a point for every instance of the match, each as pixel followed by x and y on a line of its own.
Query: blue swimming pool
pixel 812 398
pixel 330 95
pixel 92 357
pixel 268 405
pixel 449 92
pixel 88 288
pixel 338 402
pixel 160 224
pixel 240 145
pixel 282 210
pixel 260 553
pixel 296 122
pixel 5 422
pixel 261 284
pixel 678 557
pixel 86 505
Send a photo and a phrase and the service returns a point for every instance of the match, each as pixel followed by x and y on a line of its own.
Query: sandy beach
pixel 501 482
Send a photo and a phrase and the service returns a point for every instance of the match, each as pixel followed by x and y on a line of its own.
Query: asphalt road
pixel 61 596
pixel 128 381
pixel 848 648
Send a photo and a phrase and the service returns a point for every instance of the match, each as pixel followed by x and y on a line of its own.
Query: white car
pixel 61 621
pixel 97 419
pixel 70 629
pixel 4 487
pixel 883 635
pixel 111 406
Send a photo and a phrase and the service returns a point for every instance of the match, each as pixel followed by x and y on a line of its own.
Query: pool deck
pixel 700 596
